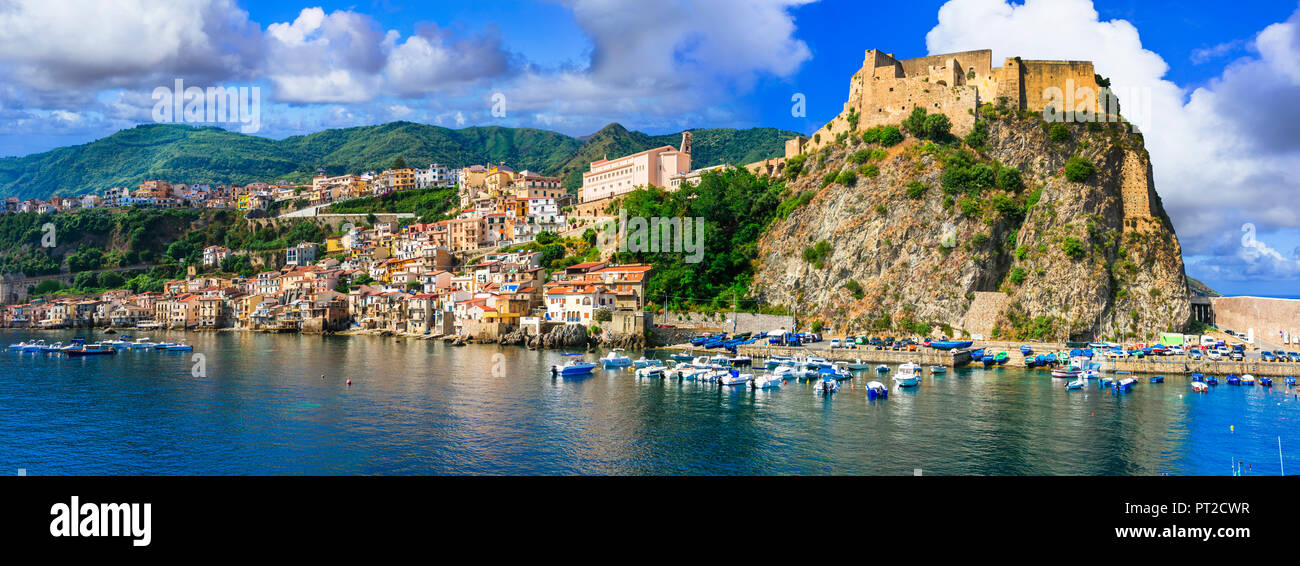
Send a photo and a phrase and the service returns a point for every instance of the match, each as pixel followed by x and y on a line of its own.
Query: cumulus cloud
pixel 79 44
pixel 1223 155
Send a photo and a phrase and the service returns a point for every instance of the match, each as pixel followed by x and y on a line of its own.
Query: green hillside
pixel 188 154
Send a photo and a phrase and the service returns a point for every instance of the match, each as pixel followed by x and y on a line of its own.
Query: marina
pixel 280 404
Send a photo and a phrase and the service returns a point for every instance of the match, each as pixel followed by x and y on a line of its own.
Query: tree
pixel 937 127
pixel 111 280
pixel 399 163
pixel 915 122
pixel 602 315
pixel 979 134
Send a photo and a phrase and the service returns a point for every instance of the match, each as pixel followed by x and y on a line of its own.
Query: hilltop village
pixel 941 121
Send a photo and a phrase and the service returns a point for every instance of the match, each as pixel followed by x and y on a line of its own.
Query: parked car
pixel 1267 356
pixel 835 343
pixel 1176 351
pixel 1214 354
pixel 1281 356
pixel 1194 354
pixel 1238 356
pixel 1295 356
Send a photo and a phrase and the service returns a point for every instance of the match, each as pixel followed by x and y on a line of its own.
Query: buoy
pixel 1232 428
pixel 349 383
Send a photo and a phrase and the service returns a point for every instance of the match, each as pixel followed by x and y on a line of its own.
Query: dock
pixel 925 357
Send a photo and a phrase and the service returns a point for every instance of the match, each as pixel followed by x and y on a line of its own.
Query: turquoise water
pixel 417 407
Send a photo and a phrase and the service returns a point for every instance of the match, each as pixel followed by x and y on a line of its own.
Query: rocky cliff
pixel 915 232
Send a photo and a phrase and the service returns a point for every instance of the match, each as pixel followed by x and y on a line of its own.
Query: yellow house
pixel 333 244
pixel 243 202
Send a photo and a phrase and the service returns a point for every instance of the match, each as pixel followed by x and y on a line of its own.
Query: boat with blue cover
pixel 950 344
pixel 614 360
pixel 1157 379
pixel 877 390
pixel 576 368
pixel 827 386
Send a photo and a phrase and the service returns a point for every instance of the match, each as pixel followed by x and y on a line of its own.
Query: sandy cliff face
pixel 1078 259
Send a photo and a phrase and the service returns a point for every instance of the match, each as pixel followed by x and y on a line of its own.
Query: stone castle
pixel 885 89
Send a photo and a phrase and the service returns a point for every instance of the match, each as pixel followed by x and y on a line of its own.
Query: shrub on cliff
pixel 1058 132
pixel 854 288
pixel 937 127
pixel 1017 275
pixel 915 122
pixel 816 253
pixel 1009 179
pixel 1078 169
pixel 915 190
pixel 847 178
pixel 1073 248
pixel 979 135
pixel 887 136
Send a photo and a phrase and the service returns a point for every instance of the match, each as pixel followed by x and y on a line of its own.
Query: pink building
pixel 611 178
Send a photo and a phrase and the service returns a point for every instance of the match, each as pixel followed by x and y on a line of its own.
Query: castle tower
pixel 686 143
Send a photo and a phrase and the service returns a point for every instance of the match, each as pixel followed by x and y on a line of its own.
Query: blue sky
pixel 1222 145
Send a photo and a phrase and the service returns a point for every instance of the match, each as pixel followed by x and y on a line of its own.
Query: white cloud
pixel 1223 155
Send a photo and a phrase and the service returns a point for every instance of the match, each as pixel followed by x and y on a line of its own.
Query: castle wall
pixel 1040 75
pixel 981 61
pixel 1137 186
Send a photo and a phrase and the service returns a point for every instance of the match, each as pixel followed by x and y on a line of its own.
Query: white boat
pixel 826 386
pixel 839 371
pixel 1200 386
pixel 736 378
pixel 908 375
pixel 615 360
pixel 141 344
pixel 1247 379
pixel 877 390
pixel 179 347
pixel 651 371
pixel 640 362
pixel 767 381
pixel 1075 384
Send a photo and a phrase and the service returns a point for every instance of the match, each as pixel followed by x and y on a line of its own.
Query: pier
pixel 925 357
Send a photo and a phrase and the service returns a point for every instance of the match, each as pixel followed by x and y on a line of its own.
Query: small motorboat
pixel 1157 379
pixel 1067 373
pixel 682 357
pixel 1211 380
pixel 90 350
pixel 141 344
pixel 1198 377
pixel 934 370
pixel 650 371
pixel 742 361
pixel 575 368
pixel 908 375
pixel 614 360
pixel 1200 386
pixel 778 361
pixel 988 360
pixel 877 390
pixel 1125 384
pixel 1290 381
pixel 882 368
pixel 1248 380
pixel 1233 380
pixel 838 371
pixel 768 381
pixel 1000 358
pixel 1265 382
pixel 179 347
pixel 1026 350
pixel 1076 384
pixel 734 377
pixel 76 344
pixel 826 386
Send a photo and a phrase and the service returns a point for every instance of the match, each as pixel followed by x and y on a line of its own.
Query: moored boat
pixel 90 350
pixel 908 375
pixel 938 369
pixel 576 368
pixel 826 386
pixel 950 344
pixel 767 381
pixel 1157 379
pixel 877 390
pixel 1200 386
pixel 734 377
pixel 614 360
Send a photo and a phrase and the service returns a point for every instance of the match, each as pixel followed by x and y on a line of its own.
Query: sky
pixel 1216 87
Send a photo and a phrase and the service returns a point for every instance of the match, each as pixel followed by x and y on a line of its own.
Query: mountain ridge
pixel 208 154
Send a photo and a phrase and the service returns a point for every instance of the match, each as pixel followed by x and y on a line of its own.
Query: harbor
pixel 273 403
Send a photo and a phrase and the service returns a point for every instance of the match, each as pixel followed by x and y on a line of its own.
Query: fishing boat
pixel 1075 384
pixel 882 368
pixel 767 381
pixel 90 350
pixel 988 360
pixel 1000 358
pixel 908 375
pixel 1211 380
pixel 1125 384
pixel 877 390
pixel 576 367
pixel 826 386
pixel 1290 381
pixel 1248 380
pixel 1026 350
pixel 937 370
pixel 1233 380
pixel 1157 379
pixel 179 347
pixel 1067 373
pixel 1198 377
pixel 681 357
pixel 950 344
pixel 734 377
pixel 1265 382
pixel 640 362
pixel 614 360
pixel 1200 387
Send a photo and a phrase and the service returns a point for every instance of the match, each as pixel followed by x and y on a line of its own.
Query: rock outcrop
pixel 567 336
pixel 1097 257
